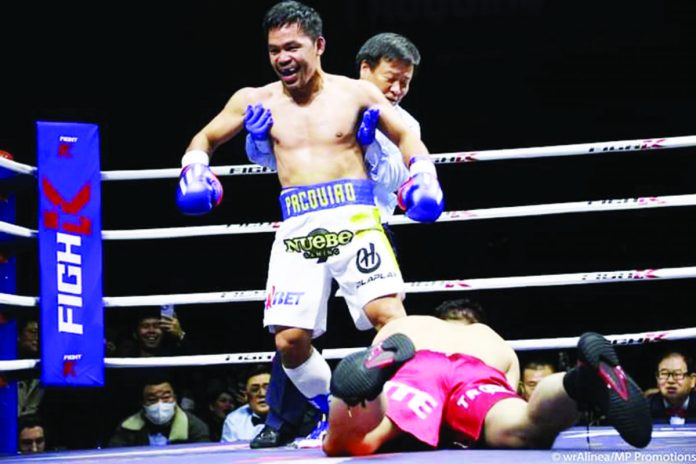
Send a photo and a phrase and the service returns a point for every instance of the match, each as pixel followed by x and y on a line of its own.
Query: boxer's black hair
pixel 461 309
pixel 292 12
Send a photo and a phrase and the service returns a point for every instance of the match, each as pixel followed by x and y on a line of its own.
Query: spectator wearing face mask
pixel 160 421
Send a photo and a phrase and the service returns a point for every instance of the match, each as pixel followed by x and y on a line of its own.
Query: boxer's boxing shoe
pixel 269 437
pixel 360 376
pixel 598 381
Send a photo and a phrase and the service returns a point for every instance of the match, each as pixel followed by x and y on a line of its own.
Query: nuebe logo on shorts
pixel 420 402
pixel 296 201
pixel 320 243
pixel 472 393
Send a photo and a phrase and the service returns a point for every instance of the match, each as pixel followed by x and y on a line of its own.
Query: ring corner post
pixel 70 254
pixel 8 326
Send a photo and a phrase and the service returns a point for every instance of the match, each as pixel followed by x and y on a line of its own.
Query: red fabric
pixel 433 391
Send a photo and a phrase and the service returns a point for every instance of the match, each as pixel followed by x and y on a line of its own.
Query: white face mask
pixel 160 412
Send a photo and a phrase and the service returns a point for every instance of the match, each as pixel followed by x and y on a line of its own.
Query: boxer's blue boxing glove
pixel 368 126
pixel 421 196
pixel 199 190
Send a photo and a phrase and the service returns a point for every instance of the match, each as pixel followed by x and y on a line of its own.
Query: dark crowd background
pixel 494 74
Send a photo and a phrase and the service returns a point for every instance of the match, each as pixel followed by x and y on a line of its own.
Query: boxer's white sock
pixel 312 379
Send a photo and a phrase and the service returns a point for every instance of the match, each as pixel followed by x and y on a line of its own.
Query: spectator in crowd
pixel 464 310
pixel 160 421
pixel 29 391
pixel 110 341
pixel 245 422
pixel 532 373
pixel 28 338
pixel 157 332
pixel 675 402
pixel 219 403
pixel 32 435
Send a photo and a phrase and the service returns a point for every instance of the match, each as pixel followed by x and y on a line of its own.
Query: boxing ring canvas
pixel 670 444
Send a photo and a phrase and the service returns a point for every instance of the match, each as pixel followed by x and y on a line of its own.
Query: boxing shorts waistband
pixel 296 201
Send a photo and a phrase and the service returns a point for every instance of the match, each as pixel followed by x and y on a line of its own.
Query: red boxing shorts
pixel 455 392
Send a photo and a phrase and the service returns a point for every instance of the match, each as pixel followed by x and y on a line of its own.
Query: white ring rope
pixel 453 285
pixel 18 364
pixel 16 167
pixel 18 300
pixel 590 206
pixel 339 353
pixel 169 173
pixel 564 342
pixel 593 148
pixel 234 296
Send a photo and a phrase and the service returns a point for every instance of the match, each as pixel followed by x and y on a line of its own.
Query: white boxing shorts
pixel 329 230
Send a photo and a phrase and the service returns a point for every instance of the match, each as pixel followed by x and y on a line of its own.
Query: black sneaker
pixel 269 437
pixel 360 376
pixel 612 390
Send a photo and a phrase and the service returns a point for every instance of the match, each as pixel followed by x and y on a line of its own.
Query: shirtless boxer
pixel 388 61
pixel 443 383
pixel 331 228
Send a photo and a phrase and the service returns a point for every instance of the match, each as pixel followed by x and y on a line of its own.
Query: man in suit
pixel 675 402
